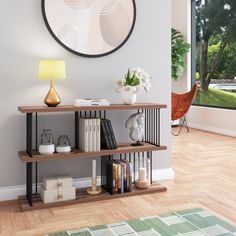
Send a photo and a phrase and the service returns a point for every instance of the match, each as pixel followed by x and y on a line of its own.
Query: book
pixel 98 135
pixel 109 184
pixel 107 135
pixel 83 134
pixel 91 102
pixel 129 175
pixel 94 135
pixel 105 140
pixel 111 134
pixel 119 177
pixel 90 135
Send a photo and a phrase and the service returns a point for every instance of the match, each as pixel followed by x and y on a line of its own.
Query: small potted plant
pixel 136 81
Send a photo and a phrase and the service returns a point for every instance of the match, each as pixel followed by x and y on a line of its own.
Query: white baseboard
pixel 213 129
pixel 12 193
pixel 163 174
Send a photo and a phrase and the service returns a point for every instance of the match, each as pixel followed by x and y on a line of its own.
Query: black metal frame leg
pixel 29 169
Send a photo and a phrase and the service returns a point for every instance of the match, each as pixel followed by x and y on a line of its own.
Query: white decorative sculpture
pixel 135 124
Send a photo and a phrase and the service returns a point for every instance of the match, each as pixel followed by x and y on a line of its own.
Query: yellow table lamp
pixel 52 70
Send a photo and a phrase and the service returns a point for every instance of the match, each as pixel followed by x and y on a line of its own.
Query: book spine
pixel 125 177
pixel 83 134
pixel 98 135
pixel 90 135
pixel 111 132
pixel 130 176
pixel 94 135
pixel 109 138
pixel 86 135
pixel 104 135
pixel 110 177
pixel 119 178
pixel 114 178
pixel 122 177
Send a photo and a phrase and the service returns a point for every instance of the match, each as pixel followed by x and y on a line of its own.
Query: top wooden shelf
pixel 73 108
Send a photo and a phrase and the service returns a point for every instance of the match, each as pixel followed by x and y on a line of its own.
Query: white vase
pixel 129 97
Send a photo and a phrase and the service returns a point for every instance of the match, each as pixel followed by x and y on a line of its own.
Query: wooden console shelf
pixel 83 197
pixel 31 157
pixel 72 108
pixel 76 153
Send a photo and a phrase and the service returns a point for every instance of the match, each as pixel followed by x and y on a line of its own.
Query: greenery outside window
pixel 214 52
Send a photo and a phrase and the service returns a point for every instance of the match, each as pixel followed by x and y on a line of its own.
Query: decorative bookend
pixel 135 124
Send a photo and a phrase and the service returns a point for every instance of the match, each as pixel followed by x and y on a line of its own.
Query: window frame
pixel 193 60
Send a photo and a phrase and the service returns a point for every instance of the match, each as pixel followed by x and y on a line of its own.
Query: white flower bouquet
pixel 136 80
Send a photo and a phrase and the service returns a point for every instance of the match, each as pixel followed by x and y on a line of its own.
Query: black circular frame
pixel 82 54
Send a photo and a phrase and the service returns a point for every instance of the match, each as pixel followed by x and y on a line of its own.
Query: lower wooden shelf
pixel 83 197
pixel 76 153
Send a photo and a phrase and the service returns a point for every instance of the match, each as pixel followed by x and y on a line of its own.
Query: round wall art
pixel 90 28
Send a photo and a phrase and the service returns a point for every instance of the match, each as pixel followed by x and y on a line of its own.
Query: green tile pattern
pixel 192 222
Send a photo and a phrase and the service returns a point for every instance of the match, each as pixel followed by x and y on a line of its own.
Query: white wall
pixel 215 120
pixel 180 15
pixel 25 40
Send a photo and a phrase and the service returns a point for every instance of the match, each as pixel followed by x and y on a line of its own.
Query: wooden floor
pixel 205 168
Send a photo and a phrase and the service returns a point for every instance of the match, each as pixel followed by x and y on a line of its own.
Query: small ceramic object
pixel 46 146
pixel 63 144
pixel 46 149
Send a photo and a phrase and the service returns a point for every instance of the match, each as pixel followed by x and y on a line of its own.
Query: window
pixel 214 52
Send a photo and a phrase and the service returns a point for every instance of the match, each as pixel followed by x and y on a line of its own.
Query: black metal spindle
pixel 145 135
pixel 29 125
pixel 152 128
pixel 134 165
pixel 151 167
pixel 144 123
pixel 29 166
pixel 76 129
pixel 155 127
pixel 36 148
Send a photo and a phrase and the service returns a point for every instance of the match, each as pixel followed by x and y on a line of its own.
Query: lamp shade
pixel 52 70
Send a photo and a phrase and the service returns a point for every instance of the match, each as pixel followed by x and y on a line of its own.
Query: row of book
pixel 119 176
pixel 96 134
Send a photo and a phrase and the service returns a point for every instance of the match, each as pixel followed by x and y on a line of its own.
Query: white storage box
pixel 58 182
pixel 57 195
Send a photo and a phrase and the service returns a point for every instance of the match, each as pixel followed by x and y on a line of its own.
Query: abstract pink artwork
pixel 90 27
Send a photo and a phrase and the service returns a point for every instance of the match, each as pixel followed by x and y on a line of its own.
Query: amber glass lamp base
pixel 52 99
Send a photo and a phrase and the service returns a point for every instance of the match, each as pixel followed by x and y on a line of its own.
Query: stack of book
pixel 89 135
pixel 91 102
pixel 119 176
pixel 108 140
pixel 95 133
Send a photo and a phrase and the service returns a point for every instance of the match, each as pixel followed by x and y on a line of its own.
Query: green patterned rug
pixel 193 222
